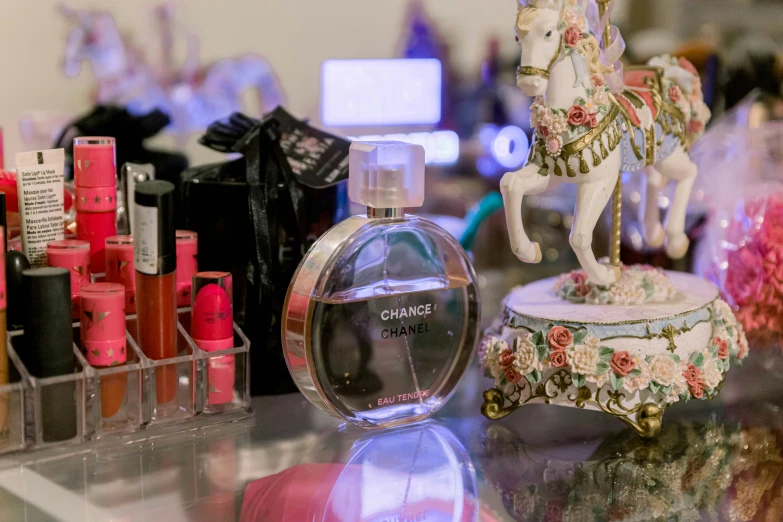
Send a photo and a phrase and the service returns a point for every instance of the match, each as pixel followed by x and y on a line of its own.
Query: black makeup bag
pixel 256 215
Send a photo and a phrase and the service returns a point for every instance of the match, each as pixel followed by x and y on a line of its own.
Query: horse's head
pixel 540 33
pixel 95 38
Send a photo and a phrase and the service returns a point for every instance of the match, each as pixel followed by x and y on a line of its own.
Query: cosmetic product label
pixel 316 158
pixel 145 252
pixel 39 177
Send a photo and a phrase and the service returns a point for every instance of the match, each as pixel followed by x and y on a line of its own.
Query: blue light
pixel 381 92
pixel 510 147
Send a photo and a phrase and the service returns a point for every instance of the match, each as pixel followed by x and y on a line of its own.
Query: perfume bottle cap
pixel 386 174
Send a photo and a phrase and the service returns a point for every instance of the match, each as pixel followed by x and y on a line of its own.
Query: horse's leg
pixel 591 199
pixel 514 186
pixel 680 168
pixel 649 212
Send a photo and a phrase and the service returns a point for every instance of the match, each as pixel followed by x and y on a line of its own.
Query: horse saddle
pixel 644 86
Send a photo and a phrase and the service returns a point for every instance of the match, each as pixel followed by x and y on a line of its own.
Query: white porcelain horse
pixel 192 95
pixel 586 133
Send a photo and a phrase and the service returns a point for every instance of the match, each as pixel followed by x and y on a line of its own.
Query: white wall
pixel 295 35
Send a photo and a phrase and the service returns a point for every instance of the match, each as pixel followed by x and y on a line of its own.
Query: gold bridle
pixel 527 70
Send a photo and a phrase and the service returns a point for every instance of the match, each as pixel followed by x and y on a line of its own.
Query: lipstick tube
pixel 74 256
pixel 120 269
pixel 47 346
pixel 95 189
pixel 3 337
pixel 212 329
pixel 102 334
pixel 155 262
pixel 187 264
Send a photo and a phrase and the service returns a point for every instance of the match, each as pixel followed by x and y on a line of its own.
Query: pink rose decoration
pixel 572 36
pixel 581 290
pixel 695 126
pixel 559 338
pixel 506 359
pixel 697 390
pixel 592 121
pixel 512 376
pixel 622 364
pixel 723 347
pixel 577 116
pixel 553 145
pixel 675 94
pixel 692 375
pixel 687 65
pixel 598 80
pixel 579 278
pixel 558 358
pixel 554 511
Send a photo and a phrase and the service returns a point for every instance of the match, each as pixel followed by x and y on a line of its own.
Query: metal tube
pixel 617 198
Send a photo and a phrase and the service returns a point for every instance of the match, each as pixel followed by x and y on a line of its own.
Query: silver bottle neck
pixel 385 213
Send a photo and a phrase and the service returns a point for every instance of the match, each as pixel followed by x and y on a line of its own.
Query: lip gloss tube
pixel 120 269
pixel 102 334
pixel 212 329
pixel 155 261
pixel 74 256
pixel 95 189
pixel 47 346
pixel 187 264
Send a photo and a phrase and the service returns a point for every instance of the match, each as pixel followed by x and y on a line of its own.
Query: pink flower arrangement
pixel 577 116
pixel 506 359
pixel 622 364
pixel 512 376
pixel 572 36
pixel 558 358
pixel 695 126
pixel 693 377
pixel 559 338
pixel 598 80
pixel 754 277
pixel 675 94
pixel 723 347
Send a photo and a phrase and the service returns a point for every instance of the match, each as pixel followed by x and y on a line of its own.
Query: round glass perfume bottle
pixel 382 316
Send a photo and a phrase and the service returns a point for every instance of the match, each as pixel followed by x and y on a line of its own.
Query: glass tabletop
pixel 718 460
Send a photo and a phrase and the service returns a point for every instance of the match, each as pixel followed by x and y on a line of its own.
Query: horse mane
pixel 526 15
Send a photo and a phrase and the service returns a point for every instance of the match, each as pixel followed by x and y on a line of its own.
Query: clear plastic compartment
pixel 12 396
pixel 56 407
pixel 115 402
pixel 168 386
pixel 227 384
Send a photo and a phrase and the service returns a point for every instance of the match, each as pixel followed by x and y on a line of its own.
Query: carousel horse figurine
pixel 192 95
pixel 591 121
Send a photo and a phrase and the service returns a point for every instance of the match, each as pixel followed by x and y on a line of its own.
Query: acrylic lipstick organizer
pixel 123 401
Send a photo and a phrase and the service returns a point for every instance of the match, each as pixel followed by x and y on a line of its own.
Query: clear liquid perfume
pixel 382 316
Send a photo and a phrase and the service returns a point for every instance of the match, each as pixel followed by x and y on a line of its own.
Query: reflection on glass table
pixel 717 460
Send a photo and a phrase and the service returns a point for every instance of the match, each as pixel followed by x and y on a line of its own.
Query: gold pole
pixel 617 199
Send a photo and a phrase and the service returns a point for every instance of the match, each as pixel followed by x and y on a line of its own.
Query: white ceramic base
pixel 629 361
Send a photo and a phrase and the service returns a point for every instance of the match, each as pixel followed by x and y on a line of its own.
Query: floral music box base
pixel 631 361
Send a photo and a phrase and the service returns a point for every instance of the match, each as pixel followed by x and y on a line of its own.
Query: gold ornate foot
pixel 493 407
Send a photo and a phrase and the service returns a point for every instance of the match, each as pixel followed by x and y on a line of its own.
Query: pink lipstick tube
pixel 73 255
pixel 212 329
pixel 119 268
pixel 103 339
pixel 95 189
pixel 187 264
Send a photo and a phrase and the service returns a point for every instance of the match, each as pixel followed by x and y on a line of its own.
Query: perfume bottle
pixel 382 316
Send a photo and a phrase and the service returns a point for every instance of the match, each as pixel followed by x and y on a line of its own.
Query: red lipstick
pixel 95 188
pixel 212 329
